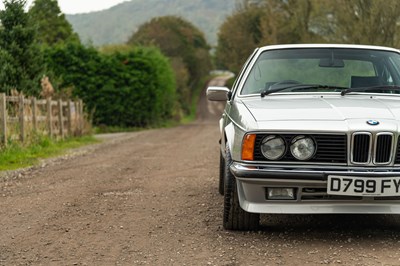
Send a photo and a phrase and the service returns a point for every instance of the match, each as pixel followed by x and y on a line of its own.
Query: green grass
pixel 16 156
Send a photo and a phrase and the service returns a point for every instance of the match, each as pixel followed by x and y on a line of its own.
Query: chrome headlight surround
pixel 273 147
pixel 303 147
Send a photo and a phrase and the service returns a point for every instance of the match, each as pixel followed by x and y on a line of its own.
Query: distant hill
pixel 117 24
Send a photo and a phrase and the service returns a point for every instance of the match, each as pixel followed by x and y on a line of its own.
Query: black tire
pixel 235 218
pixel 221 174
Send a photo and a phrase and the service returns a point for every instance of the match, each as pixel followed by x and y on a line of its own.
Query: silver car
pixel 311 129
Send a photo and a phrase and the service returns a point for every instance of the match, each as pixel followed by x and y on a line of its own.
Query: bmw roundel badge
pixel 373 122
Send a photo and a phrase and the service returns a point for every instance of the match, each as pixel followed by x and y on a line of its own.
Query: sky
pixel 80 6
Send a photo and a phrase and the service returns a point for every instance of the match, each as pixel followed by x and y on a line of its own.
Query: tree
pixel 264 22
pixel 21 59
pixel 186 47
pixel 238 36
pixel 51 24
pixel 363 22
pixel 292 21
pixel 258 23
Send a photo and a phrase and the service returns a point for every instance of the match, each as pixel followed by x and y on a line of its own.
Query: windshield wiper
pixel 301 87
pixel 372 88
pixel 267 91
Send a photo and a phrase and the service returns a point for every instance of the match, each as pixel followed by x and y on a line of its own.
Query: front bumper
pixel 310 184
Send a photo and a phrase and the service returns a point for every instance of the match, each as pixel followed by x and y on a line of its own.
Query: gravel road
pixel 151 198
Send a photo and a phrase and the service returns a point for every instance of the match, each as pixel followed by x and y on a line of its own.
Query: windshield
pixel 327 70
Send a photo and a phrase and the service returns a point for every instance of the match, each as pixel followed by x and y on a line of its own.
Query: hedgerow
pixel 134 88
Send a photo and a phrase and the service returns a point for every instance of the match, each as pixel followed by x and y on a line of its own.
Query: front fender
pixel 238 121
pixel 230 136
pixel 234 137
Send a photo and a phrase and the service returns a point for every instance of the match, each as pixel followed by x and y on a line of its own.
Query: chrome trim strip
pixel 296 163
pixel 257 171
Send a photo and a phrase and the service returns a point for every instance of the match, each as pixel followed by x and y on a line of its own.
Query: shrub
pixel 134 88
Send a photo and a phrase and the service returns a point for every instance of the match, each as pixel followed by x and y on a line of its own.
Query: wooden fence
pixel 22 117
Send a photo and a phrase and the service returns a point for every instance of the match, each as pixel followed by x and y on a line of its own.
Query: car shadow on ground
pixel 324 225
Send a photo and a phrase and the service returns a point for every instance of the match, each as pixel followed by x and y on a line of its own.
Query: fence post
pixel 76 127
pixel 81 121
pixel 69 118
pixel 49 117
pixel 78 117
pixel 34 114
pixel 3 114
pixel 61 117
pixel 22 117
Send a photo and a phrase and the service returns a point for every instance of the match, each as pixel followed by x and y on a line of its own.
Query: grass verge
pixel 16 155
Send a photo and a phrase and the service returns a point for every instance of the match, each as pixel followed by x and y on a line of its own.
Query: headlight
pixel 302 148
pixel 273 147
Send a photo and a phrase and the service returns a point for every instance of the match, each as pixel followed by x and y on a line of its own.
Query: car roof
pixel 348 46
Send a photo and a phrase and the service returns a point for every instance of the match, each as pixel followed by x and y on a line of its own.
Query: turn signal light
pixel 248 147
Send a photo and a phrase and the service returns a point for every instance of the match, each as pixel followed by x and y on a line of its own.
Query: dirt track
pixel 151 198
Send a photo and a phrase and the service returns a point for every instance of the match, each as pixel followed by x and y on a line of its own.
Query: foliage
pixel 362 22
pixel 128 88
pixel 264 22
pixel 184 44
pixel 20 57
pixel 233 49
pixel 16 155
pixel 51 24
pixel 258 23
pixel 111 49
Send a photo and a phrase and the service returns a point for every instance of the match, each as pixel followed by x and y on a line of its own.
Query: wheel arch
pixel 229 137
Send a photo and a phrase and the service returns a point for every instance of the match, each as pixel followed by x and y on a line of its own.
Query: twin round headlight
pixel 273 147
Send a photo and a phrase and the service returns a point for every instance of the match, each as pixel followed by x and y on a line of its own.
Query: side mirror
pixel 218 94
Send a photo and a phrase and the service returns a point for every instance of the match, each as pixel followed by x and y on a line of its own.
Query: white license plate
pixel 363 186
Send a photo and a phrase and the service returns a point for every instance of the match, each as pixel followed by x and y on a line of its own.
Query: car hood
pixel 323 108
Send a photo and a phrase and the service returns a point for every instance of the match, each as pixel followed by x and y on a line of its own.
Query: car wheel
pixel 221 174
pixel 235 218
